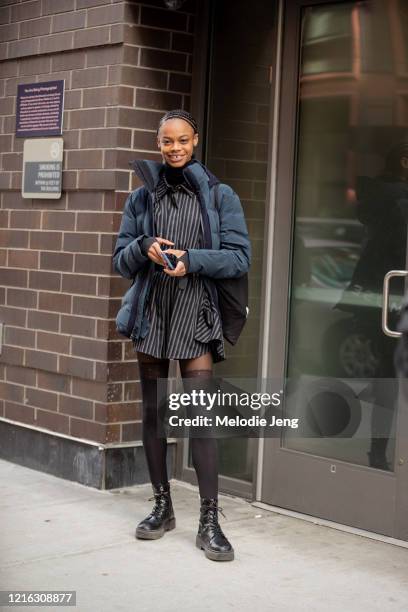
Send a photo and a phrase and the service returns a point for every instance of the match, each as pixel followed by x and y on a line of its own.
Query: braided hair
pixel 179 114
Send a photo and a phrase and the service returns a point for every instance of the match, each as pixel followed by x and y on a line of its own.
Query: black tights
pixel 204 450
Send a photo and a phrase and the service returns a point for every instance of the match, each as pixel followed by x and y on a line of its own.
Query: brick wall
pixel 63 366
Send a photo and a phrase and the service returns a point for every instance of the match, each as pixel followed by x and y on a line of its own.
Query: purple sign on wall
pixel 39 109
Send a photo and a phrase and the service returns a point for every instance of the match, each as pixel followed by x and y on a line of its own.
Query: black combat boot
pixel 161 518
pixel 210 537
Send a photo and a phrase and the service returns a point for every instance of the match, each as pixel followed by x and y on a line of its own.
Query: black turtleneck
pixel 174 176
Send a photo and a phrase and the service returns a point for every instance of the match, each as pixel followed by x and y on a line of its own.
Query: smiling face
pixel 176 141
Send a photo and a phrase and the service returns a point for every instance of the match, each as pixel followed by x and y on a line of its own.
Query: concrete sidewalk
pixel 59 535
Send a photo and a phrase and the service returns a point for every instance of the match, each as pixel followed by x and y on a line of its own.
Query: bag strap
pixel 216 196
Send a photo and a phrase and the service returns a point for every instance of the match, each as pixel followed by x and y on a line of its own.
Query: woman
pixel 175 313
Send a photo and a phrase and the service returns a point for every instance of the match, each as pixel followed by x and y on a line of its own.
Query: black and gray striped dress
pixel 184 322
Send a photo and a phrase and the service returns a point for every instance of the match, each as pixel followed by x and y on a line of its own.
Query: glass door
pixel 340 227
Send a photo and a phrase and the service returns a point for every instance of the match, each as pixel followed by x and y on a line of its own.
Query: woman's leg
pixel 151 369
pixel 161 518
pixel 197 374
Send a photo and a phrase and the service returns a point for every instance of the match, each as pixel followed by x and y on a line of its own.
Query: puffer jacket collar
pixel 196 175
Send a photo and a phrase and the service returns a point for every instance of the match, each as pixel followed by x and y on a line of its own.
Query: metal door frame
pixel 333 499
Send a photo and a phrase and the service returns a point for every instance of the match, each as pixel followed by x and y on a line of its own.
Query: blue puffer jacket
pixel 226 252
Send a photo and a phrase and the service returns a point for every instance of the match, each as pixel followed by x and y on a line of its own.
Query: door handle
pixel 386 296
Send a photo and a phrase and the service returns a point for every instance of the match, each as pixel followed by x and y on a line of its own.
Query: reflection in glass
pixel 351 213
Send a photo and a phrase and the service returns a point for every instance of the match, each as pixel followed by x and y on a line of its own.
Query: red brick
pixel 55 382
pixel 131 431
pixel 44 280
pixel 69 180
pixel 57 261
pixel 52 7
pixel 79 284
pixel 22 298
pixel 18 336
pixel 98 222
pixel 76 406
pixel 107 244
pixel 103 286
pixel 85 159
pixel 144 77
pixel 12 316
pixel 146 37
pixel 70 21
pixel 85 200
pixel 104 138
pixel 81 243
pixel 13 238
pixel 118 412
pixel 132 391
pixel 5 180
pixel 92 37
pixel 80 326
pixel 93 307
pixel 35 27
pixel 42 399
pixel 58 220
pixel 11 161
pixel 114 75
pixel 154 58
pixel 105 56
pixel 158 100
pixel 91 349
pixel 94 390
pixel 28 10
pixel 56 42
pixel 22 258
pixel 45 240
pixel 121 371
pixel 115 351
pixel 98 432
pixel 73 60
pixel 12 355
pixel 93 264
pixel 105 15
pixel 53 421
pixel 14 393
pixel 55 343
pixel 84 368
pixel 41 360
pixel 43 320
pixel 5 142
pixel 18 412
pixel 25 218
pixel 71 138
pixel 90 77
pixel 9 68
pixel 148 120
pixel 23 376
pixel 58 302
pixel 108 96
pixel 9 32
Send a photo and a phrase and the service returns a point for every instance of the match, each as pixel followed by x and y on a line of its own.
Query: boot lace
pixel 159 504
pixel 211 518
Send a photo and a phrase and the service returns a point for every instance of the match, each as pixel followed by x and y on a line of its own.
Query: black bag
pixel 232 299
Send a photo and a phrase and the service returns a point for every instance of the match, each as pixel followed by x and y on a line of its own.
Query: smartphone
pixel 170 259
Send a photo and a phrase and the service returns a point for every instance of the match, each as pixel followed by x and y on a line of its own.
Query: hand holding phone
pixel 170 260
